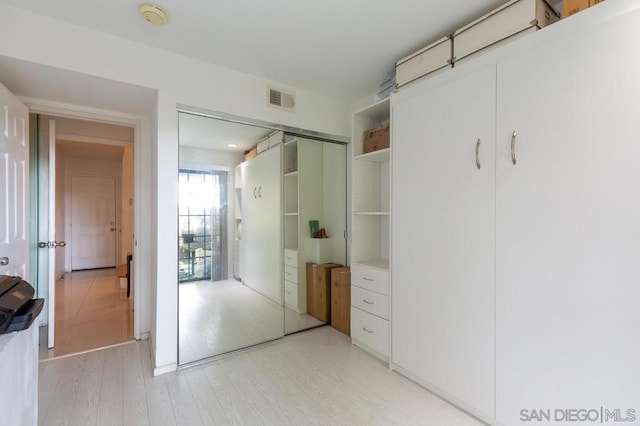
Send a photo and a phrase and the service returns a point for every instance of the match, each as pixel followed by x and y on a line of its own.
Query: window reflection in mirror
pixel 244 237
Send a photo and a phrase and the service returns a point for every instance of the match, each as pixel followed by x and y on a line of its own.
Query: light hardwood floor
pixel 312 378
pixel 222 316
pixel 92 311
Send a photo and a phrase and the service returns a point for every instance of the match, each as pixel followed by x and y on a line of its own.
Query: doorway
pixel 85 173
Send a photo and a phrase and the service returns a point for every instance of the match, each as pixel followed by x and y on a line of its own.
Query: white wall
pixel 206 159
pixel 178 80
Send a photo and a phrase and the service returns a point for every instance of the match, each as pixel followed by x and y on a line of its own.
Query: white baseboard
pixel 157 371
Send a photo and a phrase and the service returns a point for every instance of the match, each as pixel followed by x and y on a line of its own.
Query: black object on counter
pixel 18 309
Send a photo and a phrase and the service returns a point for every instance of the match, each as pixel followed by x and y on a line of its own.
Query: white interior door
pixel 50 273
pixel 14 185
pixel 93 222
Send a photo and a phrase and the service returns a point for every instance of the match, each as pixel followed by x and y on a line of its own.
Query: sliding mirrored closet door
pixel 314 218
pixel 241 219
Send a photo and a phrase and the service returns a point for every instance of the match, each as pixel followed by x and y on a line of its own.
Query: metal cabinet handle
pixel 4 261
pixel 61 243
pixel 367 302
pixel 514 137
pixel 368 279
pixel 367 330
pixel 260 192
pixel 255 195
pixel 478 154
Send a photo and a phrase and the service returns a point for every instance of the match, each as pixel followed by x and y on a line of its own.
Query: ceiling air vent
pixel 280 99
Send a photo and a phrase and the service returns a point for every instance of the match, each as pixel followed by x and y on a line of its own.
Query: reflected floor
pixel 222 316
pixel 92 311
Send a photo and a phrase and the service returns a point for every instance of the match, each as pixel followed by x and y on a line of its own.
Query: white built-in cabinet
pixel 371 213
pixel 444 235
pixel 260 257
pixel 303 201
pixel 516 231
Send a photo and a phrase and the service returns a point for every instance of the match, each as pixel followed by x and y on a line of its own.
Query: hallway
pixel 92 311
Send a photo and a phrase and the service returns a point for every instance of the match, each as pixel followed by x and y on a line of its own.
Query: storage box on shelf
pixel 502 25
pixel 370 234
pixel 571 7
pixel 427 61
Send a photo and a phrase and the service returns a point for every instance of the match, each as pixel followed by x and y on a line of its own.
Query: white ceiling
pixel 335 47
pixel 32 80
pixel 210 133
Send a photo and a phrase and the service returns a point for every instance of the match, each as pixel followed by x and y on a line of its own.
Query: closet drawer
pixel 370 278
pixel 291 274
pixel 291 294
pixel 291 258
pixel 370 330
pixel 369 301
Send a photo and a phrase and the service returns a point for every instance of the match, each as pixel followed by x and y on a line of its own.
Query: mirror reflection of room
pixel 251 269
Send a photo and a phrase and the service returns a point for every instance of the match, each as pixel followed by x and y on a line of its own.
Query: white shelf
pixel 372 213
pixel 382 264
pixel 381 156
pixel 291 214
pixel 378 111
pixel 291 174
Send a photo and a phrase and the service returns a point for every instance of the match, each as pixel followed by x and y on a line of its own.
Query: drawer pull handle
pixel 367 302
pixel 367 330
pixel 368 279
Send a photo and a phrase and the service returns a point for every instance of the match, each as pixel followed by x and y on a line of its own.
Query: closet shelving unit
pixel 302 193
pixel 370 236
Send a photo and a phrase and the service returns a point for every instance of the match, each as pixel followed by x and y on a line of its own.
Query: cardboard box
pixel 571 7
pixel 248 155
pixel 501 25
pixel 436 56
pixel 341 299
pixel 319 290
pixel 376 139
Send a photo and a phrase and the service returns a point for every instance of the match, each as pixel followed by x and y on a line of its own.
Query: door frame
pixel 142 131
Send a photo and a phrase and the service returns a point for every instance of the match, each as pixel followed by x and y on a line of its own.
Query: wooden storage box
pixel 571 7
pixel 435 57
pixel 502 25
pixel 319 290
pixel 248 155
pixel 376 139
pixel 341 299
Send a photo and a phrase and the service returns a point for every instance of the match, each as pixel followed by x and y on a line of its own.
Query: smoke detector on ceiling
pixel 153 14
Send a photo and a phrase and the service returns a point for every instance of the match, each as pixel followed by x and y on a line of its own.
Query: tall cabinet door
pixel 261 223
pixel 568 224
pixel 443 238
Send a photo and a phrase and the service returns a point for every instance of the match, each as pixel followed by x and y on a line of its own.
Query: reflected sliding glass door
pixel 202 238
